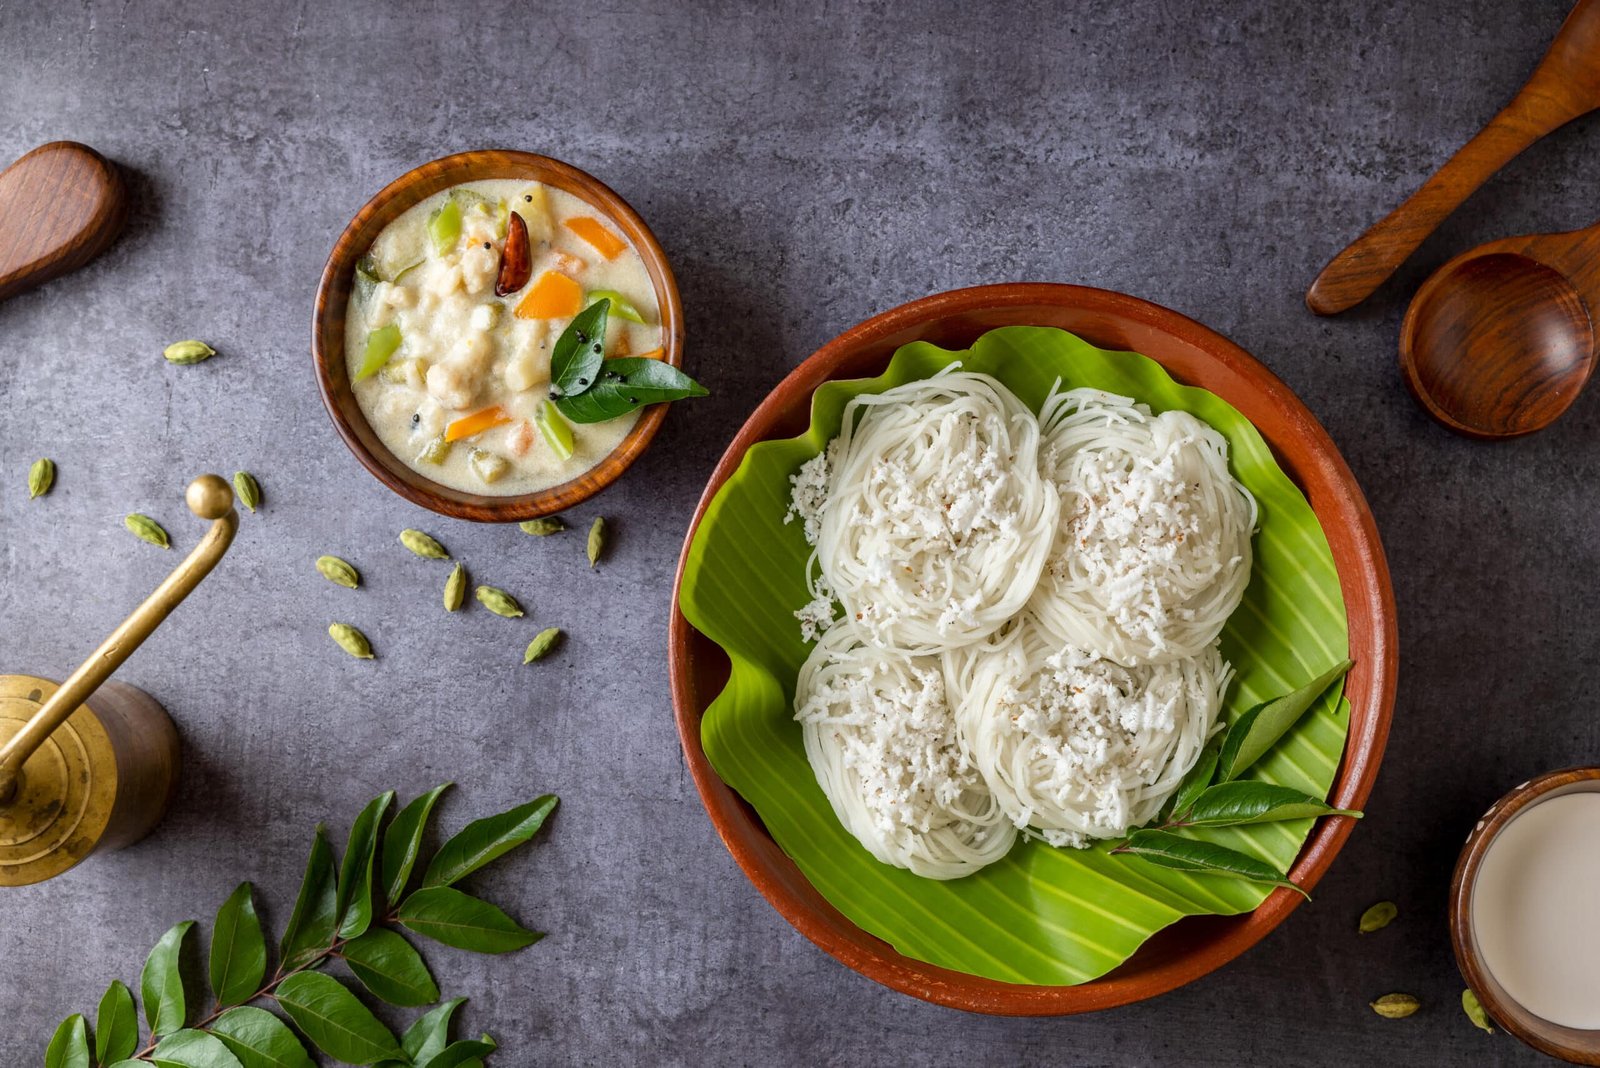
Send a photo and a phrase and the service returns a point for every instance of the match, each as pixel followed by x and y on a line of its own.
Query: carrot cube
pixel 552 296
pixel 595 233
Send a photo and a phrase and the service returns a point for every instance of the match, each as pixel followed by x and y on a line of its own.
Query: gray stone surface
pixel 804 169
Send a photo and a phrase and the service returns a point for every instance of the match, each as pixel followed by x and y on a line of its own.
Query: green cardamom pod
pixel 248 489
pixel 543 527
pixel 339 572
pixel 41 476
pixel 597 539
pixel 148 529
pixel 422 545
pixel 542 643
pixel 351 640
pixel 1396 1006
pixel 455 588
pixel 1475 1011
pixel 184 353
pixel 1378 916
pixel 499 602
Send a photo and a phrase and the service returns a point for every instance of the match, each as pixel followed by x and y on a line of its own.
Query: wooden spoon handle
pixel 60 206
pixel 1352 275
pixel 1575 253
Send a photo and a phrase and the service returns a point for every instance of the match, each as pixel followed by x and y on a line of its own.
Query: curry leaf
pixel 482 841
pixel 335 1020
pixel 1187 854
pixel 354 897
pixel 69 1047
pixel 1199 777
pixel 446 915
pixel 161 983
pixel 116 1025
pixel 403 841
pixel 238 949
pixel 261 1040
pixel 390 967
pixel 193 1049
pixel 1258 729
pixel 316 910
pixel 575 359
pixel 626 384
pixel 1230 804
pixel 431 1033
pixel 459 1054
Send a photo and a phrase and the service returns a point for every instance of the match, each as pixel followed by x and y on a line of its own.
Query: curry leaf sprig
pixel 587 387
pixel 1213 795
pixel 348 912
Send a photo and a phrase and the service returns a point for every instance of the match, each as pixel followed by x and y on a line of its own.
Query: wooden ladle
pixel 61 205
pixel 1500 340
pixel 1565 85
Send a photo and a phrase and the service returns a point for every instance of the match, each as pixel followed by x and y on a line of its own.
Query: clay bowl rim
pixel 1571 1044
pixel 333 293
pixel 1364 581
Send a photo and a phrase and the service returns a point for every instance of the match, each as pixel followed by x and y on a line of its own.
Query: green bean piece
pixel 444 226
pixel 556 430
pixel 381 344
pixel 620 307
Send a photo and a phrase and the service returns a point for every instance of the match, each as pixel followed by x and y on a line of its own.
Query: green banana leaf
pixel 1042 915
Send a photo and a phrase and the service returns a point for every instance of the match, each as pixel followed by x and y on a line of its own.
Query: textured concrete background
pixel 804 170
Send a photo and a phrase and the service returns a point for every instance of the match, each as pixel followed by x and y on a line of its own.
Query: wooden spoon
pixel 60 206
pixel 1500 340
pixel 1565 85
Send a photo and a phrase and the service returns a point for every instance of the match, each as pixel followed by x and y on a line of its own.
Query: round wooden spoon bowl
pixel 1497 345
pixel 1499 341
pixel 61 205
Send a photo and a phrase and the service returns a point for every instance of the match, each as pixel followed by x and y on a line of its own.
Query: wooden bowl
pixel 333 297
pixel 1568 1043
pixel 1194 355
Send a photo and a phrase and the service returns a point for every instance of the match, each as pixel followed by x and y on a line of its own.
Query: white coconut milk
pixel 1536 909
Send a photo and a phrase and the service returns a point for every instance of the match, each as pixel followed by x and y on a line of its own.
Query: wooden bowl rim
pixel 1370 687
pixel 327 342
pixel 1571 1044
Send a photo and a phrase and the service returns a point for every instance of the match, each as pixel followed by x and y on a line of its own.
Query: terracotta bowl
pixel 1193 355
pixel 333 297
pixel 1568 1043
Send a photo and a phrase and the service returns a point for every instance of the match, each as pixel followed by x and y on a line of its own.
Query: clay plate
pixel 333 295
pixel 1193 355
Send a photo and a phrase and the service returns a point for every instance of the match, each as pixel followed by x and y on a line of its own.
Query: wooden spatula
pixel 60 206
pixel 1565 85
